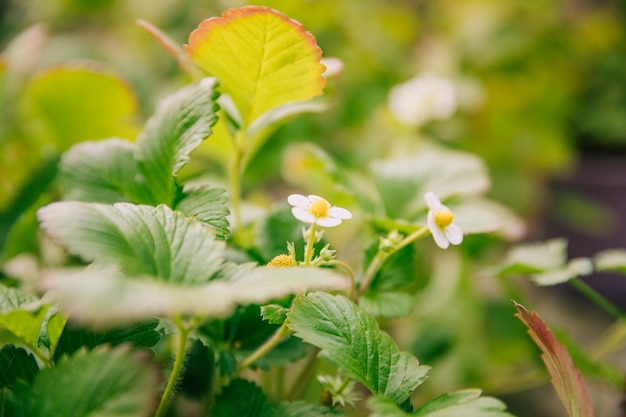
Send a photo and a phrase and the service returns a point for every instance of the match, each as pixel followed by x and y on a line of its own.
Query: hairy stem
pixel 281 333
pixel 381 256
pixel 308 255
pixel 179 359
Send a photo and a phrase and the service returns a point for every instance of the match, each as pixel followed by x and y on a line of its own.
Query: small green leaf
pixel 545 263
pixel 611 260
pixel 16 366
pixel 403 181
pixel 351 339
pixel 140 240
pixel 241 398
pixel 274 313
pixel 535 257
pixel 207 205
pixel 21 317
pixel 302 409
pixel 99 383
pixel 262 59
pixel 181 122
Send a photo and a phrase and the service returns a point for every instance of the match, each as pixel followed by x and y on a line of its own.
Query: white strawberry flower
pixel 316 210
pixel 441 223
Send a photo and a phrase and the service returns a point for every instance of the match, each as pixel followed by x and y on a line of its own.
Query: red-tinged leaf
pixel 262 59
pixel 566 379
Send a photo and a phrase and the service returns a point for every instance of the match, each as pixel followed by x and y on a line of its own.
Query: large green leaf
pixel 181 122
pixel 99 383
pixel 402 181
pixel 16 366
pixel 140 240
pixel 350 338
pixel 466 403
pixel 243 399
pixel 76 102
pixel 103 298
pixel 262 59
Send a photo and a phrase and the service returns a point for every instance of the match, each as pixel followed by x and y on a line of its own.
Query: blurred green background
pixel 542 88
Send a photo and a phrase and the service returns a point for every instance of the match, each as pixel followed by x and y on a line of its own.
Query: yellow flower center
pixel 443 218
pixel 282 261
pixel 319 208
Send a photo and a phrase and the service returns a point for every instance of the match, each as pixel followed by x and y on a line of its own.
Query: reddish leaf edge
pixel 205 28
pixel 565 377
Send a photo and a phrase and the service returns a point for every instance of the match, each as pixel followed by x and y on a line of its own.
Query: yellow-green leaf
pixel 76 102
pixel 262 59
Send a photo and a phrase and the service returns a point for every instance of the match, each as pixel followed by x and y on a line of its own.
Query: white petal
pixel 339 213
pixel 432 201
pixel 329 222
pixel 298 200
pixel 454 234
pixel 313 197
pixel 440 238
pixel 303 215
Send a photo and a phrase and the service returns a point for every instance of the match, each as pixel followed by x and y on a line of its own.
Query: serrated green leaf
pixel 140 335
pixel 181 122
pixel 102 172
pixel 302 409
pixel 76 102
pixel 387 303
pixel 351 339
pixel 104 298
pixel 274 313
pixel 403 181
pixel 466 403
pixel 13 299
pixel 98 383
pixel 243 399
pixel 16 366
pixel 207 205
pixel 262 59
pixel 140 240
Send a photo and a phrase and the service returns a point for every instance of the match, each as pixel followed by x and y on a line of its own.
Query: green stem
pixel 235 185
pixel 304 376
pixel 381 257
pixel 183 332
pixel 597 298
pixel 278 336
pixel 308 255
pixel 344 384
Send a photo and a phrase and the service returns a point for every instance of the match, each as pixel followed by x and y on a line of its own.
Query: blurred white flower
pixel 441 223
pixel 423 98
pixel 316 210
